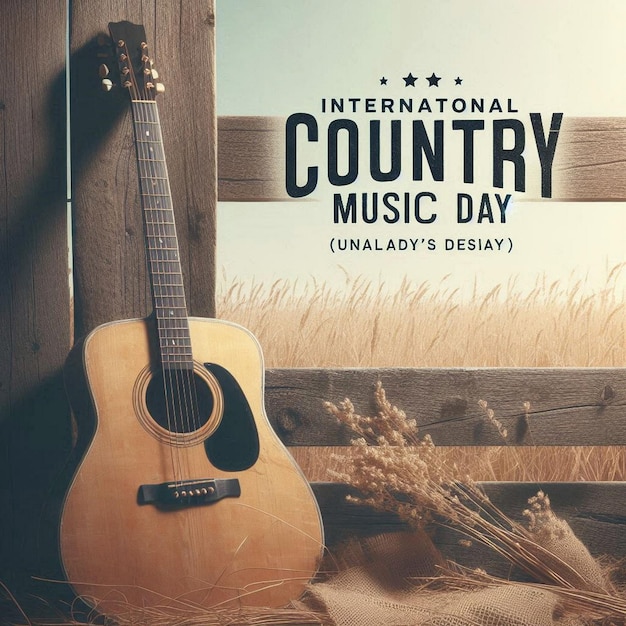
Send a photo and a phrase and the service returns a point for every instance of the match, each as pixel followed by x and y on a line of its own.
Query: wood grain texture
pixel 35 330
pixel 250 158
pixel 260 548
pixel 589 163
pixel 568 406
pixel 595 511
pixel 110 273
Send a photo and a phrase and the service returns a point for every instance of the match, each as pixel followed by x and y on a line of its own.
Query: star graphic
pixel 409 80
pixel 458 80
pixel 433 81
pixel 383 81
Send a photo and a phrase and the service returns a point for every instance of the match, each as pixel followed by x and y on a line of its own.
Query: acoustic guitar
pixel 185 497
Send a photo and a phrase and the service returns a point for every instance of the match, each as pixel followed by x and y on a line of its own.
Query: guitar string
pixel 182 388
pixel 144 175
pixel 153 259
pixel 185 379
pixel 167 313
pixel 185 374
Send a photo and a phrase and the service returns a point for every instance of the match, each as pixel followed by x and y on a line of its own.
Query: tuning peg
pixel 107 84
pixel 103 71
pixel 154 74
pixel 159 88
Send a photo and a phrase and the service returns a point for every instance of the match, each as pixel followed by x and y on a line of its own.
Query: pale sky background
pixel 277 57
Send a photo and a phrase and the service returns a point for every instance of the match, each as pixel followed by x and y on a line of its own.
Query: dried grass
pixel 364 324
pixel 395 470
pixel 130 615
pixel 555 324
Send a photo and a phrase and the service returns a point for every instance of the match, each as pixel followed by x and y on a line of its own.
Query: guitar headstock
pixel 134 65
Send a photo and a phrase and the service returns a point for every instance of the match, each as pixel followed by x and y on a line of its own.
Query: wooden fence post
pixel 109 259
pixel 35 328
pixel 36 316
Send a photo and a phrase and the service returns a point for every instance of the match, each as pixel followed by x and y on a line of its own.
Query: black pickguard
pixel 234 446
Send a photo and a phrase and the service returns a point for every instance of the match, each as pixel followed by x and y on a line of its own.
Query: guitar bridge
pixel 187 493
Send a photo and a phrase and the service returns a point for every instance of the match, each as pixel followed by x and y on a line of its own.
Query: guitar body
pixel 258 545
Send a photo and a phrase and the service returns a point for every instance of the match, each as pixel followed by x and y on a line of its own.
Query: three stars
pixel 433 80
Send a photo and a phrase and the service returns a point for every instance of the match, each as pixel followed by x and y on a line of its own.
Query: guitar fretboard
pixel 164 267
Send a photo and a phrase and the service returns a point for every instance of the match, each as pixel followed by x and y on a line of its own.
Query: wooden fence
pixel 39 315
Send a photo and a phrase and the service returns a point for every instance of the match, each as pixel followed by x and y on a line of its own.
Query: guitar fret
pixel 158 268
pixel 176 350
pixel 173 298
pixel 168 299
pixel 165 253
pixel 173 348
pixel 164 285
pixel 175 324
pixel 154 215
pixel 176 362
pixel 180 339
pixel 169 279
pixel 161 242
pixel 159 232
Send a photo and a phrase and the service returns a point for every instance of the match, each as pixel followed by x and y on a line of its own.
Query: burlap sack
pixel 383 590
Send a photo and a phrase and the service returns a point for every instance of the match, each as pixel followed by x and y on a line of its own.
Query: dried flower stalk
pixel 401 474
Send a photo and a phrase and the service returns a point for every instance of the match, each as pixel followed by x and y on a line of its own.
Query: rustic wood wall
pixel 109 258
pixel 37 317
pixel 35 314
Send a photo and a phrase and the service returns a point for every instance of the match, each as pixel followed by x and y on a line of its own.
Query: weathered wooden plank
pixel 567 406
pixel 588 164
pixel 250 158
pixel 35 330
pixel 110 271
pixel 595 511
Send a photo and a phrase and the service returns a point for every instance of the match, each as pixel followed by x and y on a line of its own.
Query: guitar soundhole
pixel 179 401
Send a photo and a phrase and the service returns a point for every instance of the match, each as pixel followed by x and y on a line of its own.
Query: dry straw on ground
pixel 396 471
pixel 366 325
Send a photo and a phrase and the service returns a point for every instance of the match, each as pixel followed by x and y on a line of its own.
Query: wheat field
pixel 555 324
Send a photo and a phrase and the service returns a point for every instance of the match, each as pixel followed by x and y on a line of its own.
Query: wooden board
pixel 35 331
pixel 250 158
pixel 567 406
pixel 595 511
pixel 110 273
pixel 588 163
pixel 590 160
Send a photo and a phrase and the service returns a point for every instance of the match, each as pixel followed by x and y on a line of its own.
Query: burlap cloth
pixel 381 582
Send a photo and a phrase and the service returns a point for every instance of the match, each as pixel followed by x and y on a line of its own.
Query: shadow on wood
pixel 34 414
pixel 35 423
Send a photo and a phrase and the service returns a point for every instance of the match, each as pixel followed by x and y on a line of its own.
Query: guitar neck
pixel 164 268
